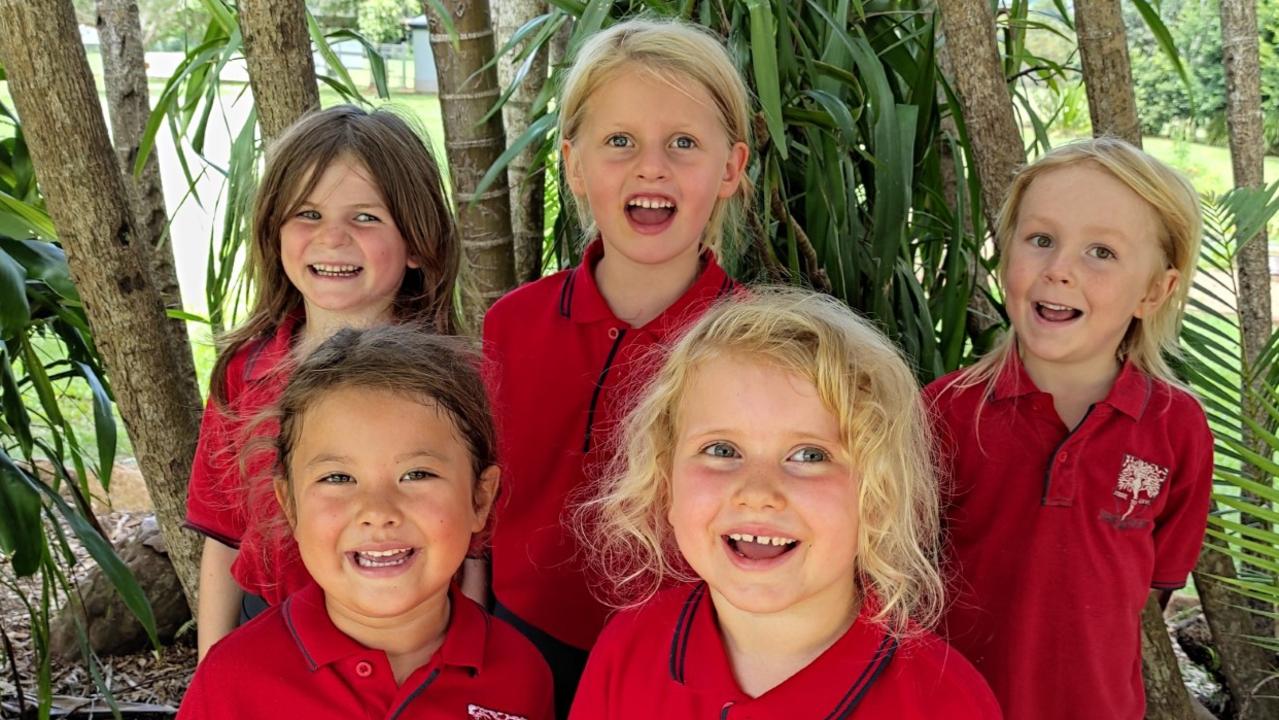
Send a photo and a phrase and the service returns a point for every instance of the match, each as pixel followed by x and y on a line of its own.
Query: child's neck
pixel 637 293
pixel 321 325
pixel 765 650
pixel 1075 387
pixel 408 640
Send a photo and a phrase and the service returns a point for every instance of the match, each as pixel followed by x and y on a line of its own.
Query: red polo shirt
pixel 291 661
pixel 1056 536
pixel 218 499
pixel 667 660
pixel 561 369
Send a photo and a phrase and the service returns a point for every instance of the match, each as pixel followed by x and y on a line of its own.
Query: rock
pixel 1197 658
pixel 112 628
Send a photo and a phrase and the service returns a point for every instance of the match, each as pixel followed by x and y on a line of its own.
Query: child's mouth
pixel 376 559
pixel 1056 313
pixel 759 547
pixel 335 271
pixel 649 211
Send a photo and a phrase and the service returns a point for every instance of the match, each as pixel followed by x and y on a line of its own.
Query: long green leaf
pixel 21 533
pixel 764 66
pixel 15 311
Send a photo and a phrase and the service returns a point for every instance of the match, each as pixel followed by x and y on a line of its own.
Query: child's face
pixel 1084 260
pixel 757 453
pixel 650 160
pixel 383 508
pixel 342 250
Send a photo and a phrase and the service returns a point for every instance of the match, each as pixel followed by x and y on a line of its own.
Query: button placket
pixel 364 669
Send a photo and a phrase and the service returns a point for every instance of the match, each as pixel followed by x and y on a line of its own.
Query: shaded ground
pixel 144 684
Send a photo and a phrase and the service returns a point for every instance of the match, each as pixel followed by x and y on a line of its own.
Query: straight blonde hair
pixel 861 378
pixel 1150 341
pixel 676 52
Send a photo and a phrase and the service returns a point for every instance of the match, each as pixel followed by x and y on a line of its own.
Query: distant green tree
pixel 382 21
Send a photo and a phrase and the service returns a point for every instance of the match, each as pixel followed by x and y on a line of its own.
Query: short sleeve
pixel 1180 525
pixel 592 698
pixel 214 506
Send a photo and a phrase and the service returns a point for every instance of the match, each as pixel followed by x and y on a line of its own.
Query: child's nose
pixel 758 490
pixel 379 509
pixel 653 164
pixel 1060 269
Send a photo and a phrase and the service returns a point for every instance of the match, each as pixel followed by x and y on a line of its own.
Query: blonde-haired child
pixel 1080 468
pixel 385 470
pixel 654 123
pixel 778 468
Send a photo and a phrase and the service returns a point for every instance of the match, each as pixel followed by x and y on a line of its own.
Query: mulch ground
pixel 143 684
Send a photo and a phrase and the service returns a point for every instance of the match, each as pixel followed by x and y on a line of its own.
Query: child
pixel 655 188
pixel 1081 468
pixel 385 474
pixel 351 227
pixel 779 464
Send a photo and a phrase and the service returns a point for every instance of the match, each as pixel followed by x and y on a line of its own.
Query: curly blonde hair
pixel 1150 340
pixel 860 376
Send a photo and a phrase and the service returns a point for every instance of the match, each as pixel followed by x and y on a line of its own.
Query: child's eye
pixel 720 450
pixel 1102 253
pixel 418 475
pixel 308 215
pixel 618 141
pixel 337 479
pixel 684 142
pixel 809 455
pixel 1041 241
pixel 367 218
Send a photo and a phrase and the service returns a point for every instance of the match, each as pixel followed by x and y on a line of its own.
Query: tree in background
pixel 382 21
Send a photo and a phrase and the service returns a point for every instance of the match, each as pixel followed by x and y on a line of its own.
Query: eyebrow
pixel 402 457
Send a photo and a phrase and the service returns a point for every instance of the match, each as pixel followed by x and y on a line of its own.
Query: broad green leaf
pixel 45 262
pixel 21 530
pixel 15 311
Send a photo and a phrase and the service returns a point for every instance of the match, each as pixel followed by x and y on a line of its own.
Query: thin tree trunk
pixel 1103 51
pixel 983 94
pixel 89 202
pixel 466 95
pixel 527 189
pixel 1245 666
pixel 277 48
pixel 1248 669
pixel 128 100
pixel 1160 669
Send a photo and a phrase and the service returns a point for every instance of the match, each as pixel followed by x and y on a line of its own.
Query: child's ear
pixel 572 169
pixel 738 154
pixel 1161 288
pixel 485 493
pixel 413 262
pixel 284 496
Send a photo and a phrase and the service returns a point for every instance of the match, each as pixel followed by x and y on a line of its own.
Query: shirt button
pixel 612 333
pixel 364 668
pixel 1061 457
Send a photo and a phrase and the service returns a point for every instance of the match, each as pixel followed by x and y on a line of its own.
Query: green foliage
pixel 382 21
pixel 1244 517
pixel 47 352
pixel 1165 105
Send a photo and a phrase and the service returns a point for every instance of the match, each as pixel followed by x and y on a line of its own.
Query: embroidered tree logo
pixel 1139 477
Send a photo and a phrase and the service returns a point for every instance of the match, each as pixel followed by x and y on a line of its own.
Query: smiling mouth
pixel 334 271
pixel 1057 313
pixel 382 558
pixel 649 211
pixel 759 547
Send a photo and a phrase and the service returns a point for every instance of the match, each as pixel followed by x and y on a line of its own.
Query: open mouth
pixel 374 559
pixel 335 271
pixel 759 547
pixel 649 211
pixel 1057 313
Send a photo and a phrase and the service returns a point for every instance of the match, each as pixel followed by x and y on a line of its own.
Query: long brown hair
pixel 409 180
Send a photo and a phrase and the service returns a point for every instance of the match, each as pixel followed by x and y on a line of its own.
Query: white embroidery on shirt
pixel 475 712
pixel 1138 477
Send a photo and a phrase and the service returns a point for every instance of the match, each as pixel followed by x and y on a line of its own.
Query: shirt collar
pixel 267 354
pixel 581 301
pixel 1129 394
pixel 322 643
pixel 833 684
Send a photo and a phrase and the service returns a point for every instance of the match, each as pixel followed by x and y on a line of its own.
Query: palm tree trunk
pixel 466 94
pixel 277 48
pixel 527 189
pixel 128 100
pixel 89 203
pixel 983 94
pixel 1248 669
pixel 1103 50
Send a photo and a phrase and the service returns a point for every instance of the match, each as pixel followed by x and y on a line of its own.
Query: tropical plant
pixel 1234 392
pixel 48 473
